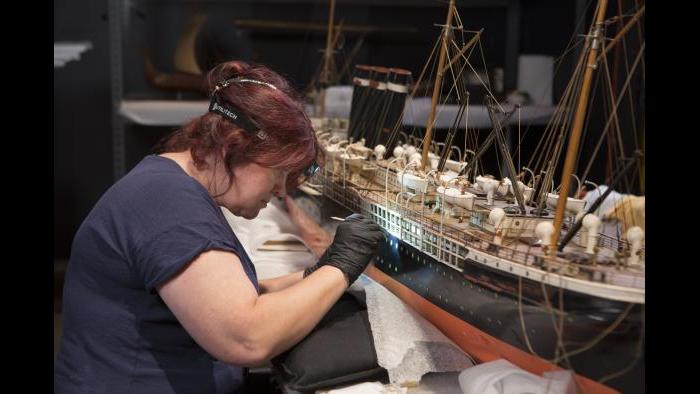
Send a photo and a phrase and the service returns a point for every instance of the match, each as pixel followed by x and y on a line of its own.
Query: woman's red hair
pixel 291 143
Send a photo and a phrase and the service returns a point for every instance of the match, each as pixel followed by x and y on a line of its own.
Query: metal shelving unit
pixel 125 111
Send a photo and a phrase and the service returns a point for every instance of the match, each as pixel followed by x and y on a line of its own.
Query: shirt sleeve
pixel 165 254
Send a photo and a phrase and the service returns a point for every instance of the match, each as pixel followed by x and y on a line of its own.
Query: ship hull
pixel 488 311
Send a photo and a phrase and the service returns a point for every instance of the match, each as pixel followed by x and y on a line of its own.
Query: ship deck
pixel 411 217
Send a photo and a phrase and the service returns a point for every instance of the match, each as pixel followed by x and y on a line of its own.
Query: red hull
pixel 481 346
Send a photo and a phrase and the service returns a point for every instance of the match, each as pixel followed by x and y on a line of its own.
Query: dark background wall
pixel 82 104
pixel 82 140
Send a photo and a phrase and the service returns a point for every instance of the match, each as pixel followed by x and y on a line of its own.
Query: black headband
pixel 231 112
pixel 235 115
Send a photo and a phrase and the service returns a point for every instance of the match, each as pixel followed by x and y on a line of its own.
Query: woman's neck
pixel 184 160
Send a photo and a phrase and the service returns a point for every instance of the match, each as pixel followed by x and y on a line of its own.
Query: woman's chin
pixel 246 213
pixel 249 214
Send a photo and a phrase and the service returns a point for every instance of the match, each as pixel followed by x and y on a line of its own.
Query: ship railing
pixel 444 241
pixel 609 242
pixel 401 220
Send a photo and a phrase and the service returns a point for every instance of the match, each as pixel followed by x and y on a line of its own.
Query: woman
pixel 159 295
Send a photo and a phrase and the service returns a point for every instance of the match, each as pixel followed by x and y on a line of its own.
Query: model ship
pixel 510 266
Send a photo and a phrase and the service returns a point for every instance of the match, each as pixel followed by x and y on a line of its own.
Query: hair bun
pixel 227 70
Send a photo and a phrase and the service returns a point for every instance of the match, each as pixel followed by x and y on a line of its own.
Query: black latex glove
pixel 356 241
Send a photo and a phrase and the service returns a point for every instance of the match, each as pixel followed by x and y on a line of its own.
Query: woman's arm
pixel 218 306
pixel 279 283
pixel 316 238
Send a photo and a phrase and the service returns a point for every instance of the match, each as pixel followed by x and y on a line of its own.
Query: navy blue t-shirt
pixel 118 334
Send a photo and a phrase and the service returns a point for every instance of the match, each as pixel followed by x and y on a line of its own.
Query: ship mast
pixel 438 84
pixel 579 117
pixel 325 72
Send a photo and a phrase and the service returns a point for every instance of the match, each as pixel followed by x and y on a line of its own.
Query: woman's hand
pixel 356 242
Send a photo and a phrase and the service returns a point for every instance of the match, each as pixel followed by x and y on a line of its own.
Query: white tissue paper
pixel 407 345
pixel 368 388
pixel 502 377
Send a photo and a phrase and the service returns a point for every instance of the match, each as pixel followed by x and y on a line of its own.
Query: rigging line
pixel 552 312
pixel 460 51
pixel 563 109
pixel 486 70
pixel 614 134
pixel 631 104
pixel 622 32
pixel 559 145
pixel 551 165
pixel 559 59
pixel 616 120
pixel 457 78
pixel 564 127
pixel 522 318
pixel 519 140
pixel 456 58
pixel 485 86
pixel 580 22
pixel 604 333
pixel 466 117
pixel 471 48
pixel 546 164
pixel 432 70
pixel 445 154
pixel 637 356
pixel 466 130
pixel 560 339
pixel 559 111
pixel 610 138
pixel 461 24
pixel 452 72
pixel 558 328
pixel 430 62
pixel 457 17
pixel 353 52
pixel 550 129
pixel 454 86
pixel 617 103
pixel 466 59
pixel 498 159
pixel 640 38
pixel 587 120
pixel 425 67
